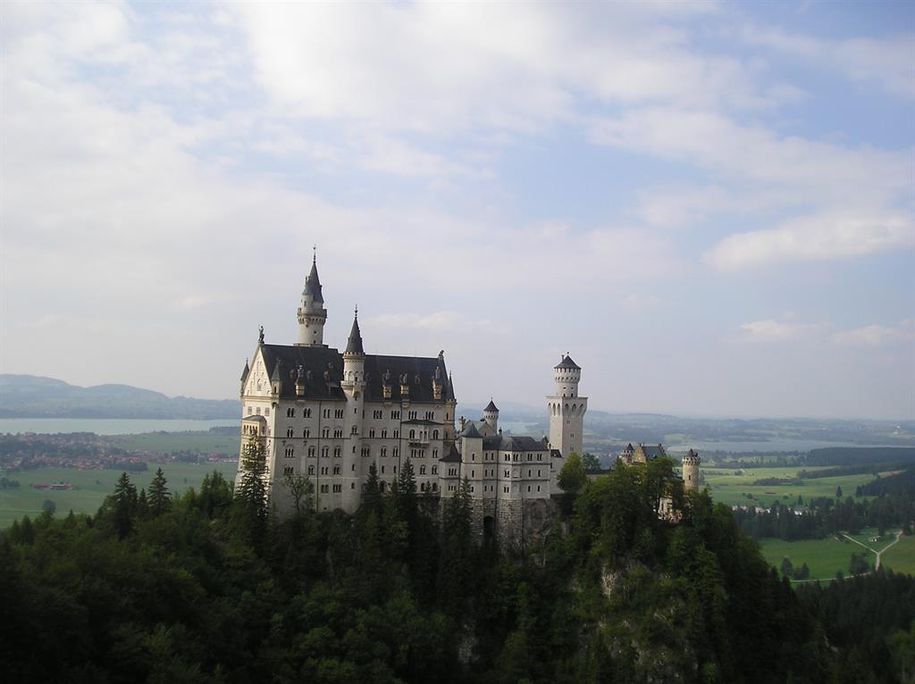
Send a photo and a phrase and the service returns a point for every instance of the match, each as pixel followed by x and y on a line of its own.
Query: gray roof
pixel 513 443
pixel 244 373
pixel 653 451
pixel 354 343
pixel 567 362
pixel 471 432
pixel 453 455
pixel 491 407
pixel 322 370
pixel 313 283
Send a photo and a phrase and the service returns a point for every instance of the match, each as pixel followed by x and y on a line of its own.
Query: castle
pixel 332 416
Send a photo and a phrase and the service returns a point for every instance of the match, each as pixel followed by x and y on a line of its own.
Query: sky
pixel 710 206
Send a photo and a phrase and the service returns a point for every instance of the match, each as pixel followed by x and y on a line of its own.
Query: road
pixel 879 553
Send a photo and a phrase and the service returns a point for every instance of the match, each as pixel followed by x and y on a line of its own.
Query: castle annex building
pixel 332 415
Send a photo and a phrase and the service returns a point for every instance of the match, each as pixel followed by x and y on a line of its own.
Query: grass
pixel 824 557
pixel 92 486
pixel 171 442
pixel 732 487
pixel 901 557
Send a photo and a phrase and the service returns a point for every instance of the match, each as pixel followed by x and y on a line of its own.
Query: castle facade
pixel 332 416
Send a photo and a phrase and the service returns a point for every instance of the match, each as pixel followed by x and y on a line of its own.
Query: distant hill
pixel 31 396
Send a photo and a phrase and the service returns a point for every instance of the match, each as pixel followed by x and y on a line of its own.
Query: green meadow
pixel 91 487
pixel 735 487
pixel 901 556
pixel 824 557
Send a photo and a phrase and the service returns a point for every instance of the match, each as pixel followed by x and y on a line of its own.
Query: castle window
pixel 325 432
pixel 430 415
pixel 337 452
pixel 324 470
pixel 377 415
pixel 336 470
pixel 435 486
pixel 412 434
pixel 395 452
pixel 306 413
pixel 538 472
pixel 326 413
pixel 539 457
pixel 384 451
pixel 508 473
pixel 288 471
pixel 338 413
pixel 412 415
pixel 289 452
pixel 384 434
pixel 311 452
pixel 338 433
pixel 435 453
pixel 435 470
pixel 473 473
pixel 306 433
pixel 353 467
pixel 366 451
pixel 504 489
pixel 324 489
pixel 422 470
pixel 471 489
pixel 258 410
pixel 528 488
pixel 435 434
pixel 396 434
pixel 530 457
pixel 311 470
pixel 324 452
pixel 371 434
pixel 355 430
pixel 395 470
pixel 289 432
pixel 395 415
pixel 381 485
pixel 352 485
pixel 538 488
pixel 338 488
pixel 290 413
pixel 266 411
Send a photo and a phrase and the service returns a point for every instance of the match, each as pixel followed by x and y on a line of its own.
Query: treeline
pixel 869 620
pixel 823 516
pixel 860 455
pixel 211 587
pixel 900 484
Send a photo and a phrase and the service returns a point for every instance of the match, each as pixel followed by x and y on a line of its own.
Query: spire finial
pixel 314 253
pixel 356 311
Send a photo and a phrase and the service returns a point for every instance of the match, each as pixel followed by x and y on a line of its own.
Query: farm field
pixel 200 442
pixel 824 557
pixel 731 487
pixel 92 486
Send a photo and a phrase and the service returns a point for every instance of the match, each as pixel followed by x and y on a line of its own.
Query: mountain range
pixel 31 396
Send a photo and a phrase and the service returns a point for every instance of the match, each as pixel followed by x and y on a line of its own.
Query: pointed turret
pixel 311 312
pixel 354 343
pixel 491 416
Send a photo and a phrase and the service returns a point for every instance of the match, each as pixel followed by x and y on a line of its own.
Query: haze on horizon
pixel 709 205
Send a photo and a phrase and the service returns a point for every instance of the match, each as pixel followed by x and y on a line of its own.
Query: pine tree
pixel 251 492
pixel 124 506
pixel 159 496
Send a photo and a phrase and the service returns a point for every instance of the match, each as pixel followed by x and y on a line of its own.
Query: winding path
pixel 879 553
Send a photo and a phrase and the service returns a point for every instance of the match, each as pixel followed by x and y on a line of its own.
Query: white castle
pixel 331 416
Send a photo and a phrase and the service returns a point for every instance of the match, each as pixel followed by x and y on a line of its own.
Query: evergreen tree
pixel 251 492
pixel 159 496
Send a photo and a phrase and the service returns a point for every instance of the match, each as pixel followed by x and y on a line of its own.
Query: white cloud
pixel 778 331
pixel 814 238
pixel 875 336
pixel 886 62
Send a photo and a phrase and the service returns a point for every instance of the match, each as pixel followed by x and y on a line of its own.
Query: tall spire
pixel 312 282
pixel 354 343
pixel 311 313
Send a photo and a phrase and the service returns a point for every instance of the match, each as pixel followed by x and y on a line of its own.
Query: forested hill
pixel 210 587
pixel 30 396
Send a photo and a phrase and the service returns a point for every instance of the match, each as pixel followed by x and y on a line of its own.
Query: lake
pixel 110 426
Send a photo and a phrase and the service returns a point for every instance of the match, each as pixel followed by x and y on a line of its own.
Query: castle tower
pixel 567 411
pixel 691 471
pixel 353 386
pixel 311 313
pixel 491 417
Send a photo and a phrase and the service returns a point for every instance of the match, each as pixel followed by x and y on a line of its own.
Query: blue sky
pixel 710 205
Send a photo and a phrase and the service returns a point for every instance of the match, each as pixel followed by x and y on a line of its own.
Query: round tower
pixel 566 375
pixel 691 471
pixel 491 417
pixel 567 412
pixel 353 386
pixel 311 312
pixel 354 357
